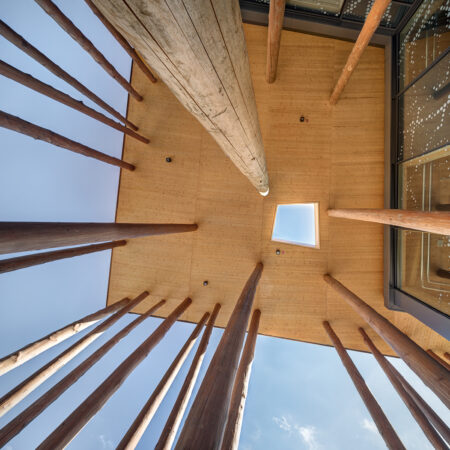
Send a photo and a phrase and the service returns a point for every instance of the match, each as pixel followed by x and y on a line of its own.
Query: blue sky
pixel 300 396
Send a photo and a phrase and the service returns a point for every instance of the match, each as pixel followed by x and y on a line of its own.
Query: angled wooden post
pixel 21 262
pixel 43 134
pixel 435 376
pixel 432 222
pixel 431 434
pixel 11 429
pixel 122 41
pixel 371 23
pixel 26 236
pixel 386 430
pixel 145 416
pixel 176 415
pixel 437 358
pixel 206 421
pixel 276 17
pixel 447 355
pixel 18 393
pixel 69 27
pixel 73 424
pixel 28 352
pixel 240 388
pixel 29 81
pixel 9 34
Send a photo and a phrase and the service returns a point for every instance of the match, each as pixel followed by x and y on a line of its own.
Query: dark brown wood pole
pixel 176 415
pixel 240 388
pixel 431 434
pixel 206 421
pixel 28 352
pixel 140 424
pixel 371 23
pixel 9 34
pixel 447 355
pixel 276 17
pixel 18 393
pixel 26 236
pixel 437 358
pixel 386 430
pixel 442 273
pixel 10 430
pixel 33 83
pixel 122 41
pixel 21 262
pixel 75 33
pixel 43 134
pixel 432 222
pixel 432 373
pixel 73 424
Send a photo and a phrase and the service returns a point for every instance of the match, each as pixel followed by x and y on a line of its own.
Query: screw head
pixel 205 283
pixel 302 118
pixel 169 159
pixel 278 251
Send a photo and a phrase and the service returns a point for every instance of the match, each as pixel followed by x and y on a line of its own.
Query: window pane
pixel 331 7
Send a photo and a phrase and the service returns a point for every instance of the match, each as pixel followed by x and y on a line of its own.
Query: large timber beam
pixel 276 16
pixel 198 50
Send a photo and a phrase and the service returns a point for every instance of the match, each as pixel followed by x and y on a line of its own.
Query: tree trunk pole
pixel 206 421
pixel 433 222
pixel 69 27
pixel 447 355
pixel 170 430
pixel 371 24
pixel 21 262
pixel 10 430
pixel 26 236
pixel 73 424
pixel 276 17
pixel 413 408
pixel 18 393
pixel 435 376
pixel 9 34
pixel 145 416
pixel 240 388
pixel 386 430
pixel 438 359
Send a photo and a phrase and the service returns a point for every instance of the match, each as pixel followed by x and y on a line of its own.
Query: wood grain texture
pixel 276 17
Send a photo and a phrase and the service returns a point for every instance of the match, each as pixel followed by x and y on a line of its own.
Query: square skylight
pixel 297 224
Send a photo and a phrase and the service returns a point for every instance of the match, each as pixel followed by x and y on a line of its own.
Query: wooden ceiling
pixel 334 157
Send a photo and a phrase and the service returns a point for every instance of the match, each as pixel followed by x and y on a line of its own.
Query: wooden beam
pixel 199 52
pixel 170 430
pixel 17 394
pixel 75 33
pixel 145 416
pixel 432 222
pixel 442 273
pixel 447 355
pixel 386 430
pixel 122 41
pixel 72 425
pixel 206 421
pixel 431 434
pixel 276 17
pixel 18 357
pixel 240 388
pixel 15 426
pixel 33 83
pixel 9 34
pixel 43 134
pixel 438 359
pixel 26 236
pixel 21 262
pixel 371 23
pixel 435 376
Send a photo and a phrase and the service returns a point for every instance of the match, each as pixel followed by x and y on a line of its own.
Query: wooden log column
pixel 432 222
pixel 431 434
pixel 28 352
pixel 26 236
pixel 276 17
pixel 145 416
pixel 435 376
pixel 170 430
pixel 371 23
pixel 240 388
pixel 206 421
pixel 386 430
pixel 10 430
pixel 199 51
pixel 18 393
pixel 73 424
